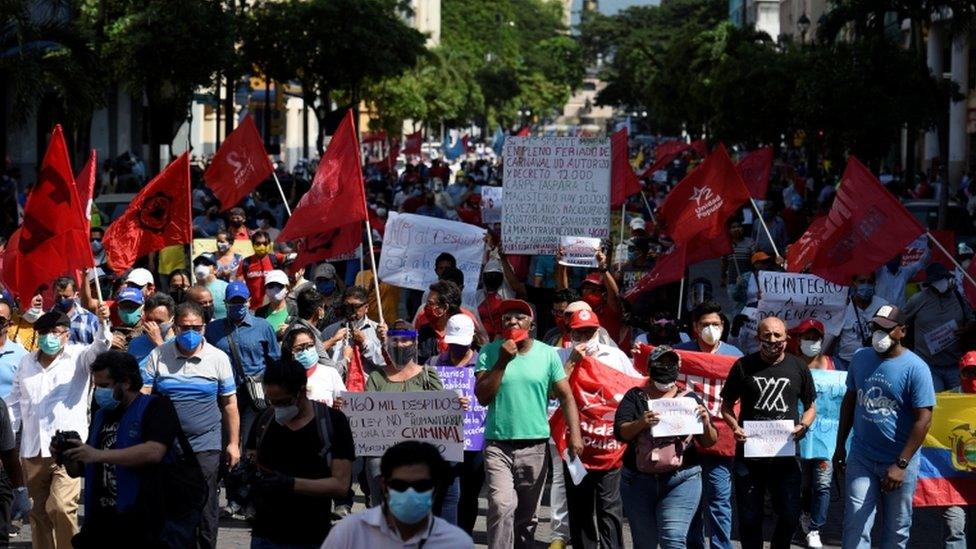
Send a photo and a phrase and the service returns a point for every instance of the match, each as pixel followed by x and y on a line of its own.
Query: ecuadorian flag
pixel 947 473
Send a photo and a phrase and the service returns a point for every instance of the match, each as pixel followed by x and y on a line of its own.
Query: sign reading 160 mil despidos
pixel 554 186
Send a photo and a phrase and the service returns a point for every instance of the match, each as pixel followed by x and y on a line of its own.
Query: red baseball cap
pixel 516 305
pixel 584 319
pixel 594 278
pixel 967 360
pixel 808 325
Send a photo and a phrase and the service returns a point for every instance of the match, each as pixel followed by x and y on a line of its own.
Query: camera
pixel 61 442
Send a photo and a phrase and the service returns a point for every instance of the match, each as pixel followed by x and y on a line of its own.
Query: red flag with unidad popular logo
pixel 597 389
pixel 239 166
pixel 157 217
pixel 866 227
pixel 329 245
pixel 623 181
pixel 337 196
pixel 700 205
pixel 754 168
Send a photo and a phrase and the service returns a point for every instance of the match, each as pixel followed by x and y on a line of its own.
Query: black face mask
pixel 493 281
pixel 178 295
pixel 349 311
pixel 663 372
pixel 208 313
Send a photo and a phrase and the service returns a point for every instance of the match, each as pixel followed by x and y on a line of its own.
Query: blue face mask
pixel 236 311
pixel 864 291
pixel 410 507
pixel 189 340
pixel 96 246
pixel 64 304
pixel 326 287
pixel 130 318
pixel 50 344
pixel 308 358
pixel 105 397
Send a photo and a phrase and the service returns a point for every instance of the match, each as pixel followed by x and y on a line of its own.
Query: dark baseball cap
pixel 49 320
pixel 888 317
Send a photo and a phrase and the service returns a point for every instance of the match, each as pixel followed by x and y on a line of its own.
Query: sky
pixel 610 7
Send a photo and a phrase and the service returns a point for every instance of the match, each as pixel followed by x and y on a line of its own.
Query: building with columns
pixel 949 57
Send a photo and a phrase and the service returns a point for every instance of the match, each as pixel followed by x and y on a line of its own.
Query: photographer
pixel 135 487
pixel 361 334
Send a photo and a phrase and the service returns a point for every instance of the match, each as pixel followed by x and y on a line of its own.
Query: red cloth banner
pixel 239 166
pixel 754 168
pixel 85 183
pixel 328 245
pixel 411 145
pixel 623 181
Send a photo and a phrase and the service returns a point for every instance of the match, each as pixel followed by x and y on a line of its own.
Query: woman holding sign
pixel 661 482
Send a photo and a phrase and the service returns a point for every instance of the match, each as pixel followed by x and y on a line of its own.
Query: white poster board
pixel 554 186
pixel 678 417
pixel 379 420
pixel 769 438
pixel 491 205
pixel 579 251
pixel 795 297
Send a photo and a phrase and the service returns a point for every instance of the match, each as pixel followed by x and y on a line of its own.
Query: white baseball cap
pixel 638 223
pixel 578 306
pixel 140 277
pixel 459 330
pixel 276 276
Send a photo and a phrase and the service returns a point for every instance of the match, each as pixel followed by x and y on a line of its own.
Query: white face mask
pixel 881 341
pixel 941 286
pixel 810 348
pixel 663 386
pixel 281 295
pixel 202 272
pixel 711 334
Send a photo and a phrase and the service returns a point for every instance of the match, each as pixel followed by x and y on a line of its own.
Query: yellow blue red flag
pixel 947 473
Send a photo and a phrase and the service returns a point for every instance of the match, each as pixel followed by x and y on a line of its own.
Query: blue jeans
pixel 955 526
pixel 781 478
pixel 261 543
pixel 816 490
pixel 449 505
pixel 945 378
pixel 659 507
pixel 864 495
pixel 715 509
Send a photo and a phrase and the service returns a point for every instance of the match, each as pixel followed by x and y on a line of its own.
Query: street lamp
pixel 803 24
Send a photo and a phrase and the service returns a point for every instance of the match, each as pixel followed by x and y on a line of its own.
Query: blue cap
pixel 236 289
pixel 130 294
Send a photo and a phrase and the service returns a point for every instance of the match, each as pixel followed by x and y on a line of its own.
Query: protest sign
pixel 678 416
pixel 243 248
pixel 941 337
pixel 411 243
pixel 821 440
pixel 769 438
pixel 554 186
pixel 491 205
pixel 579 251
pixel 461 380
pixel 794 297
pixel 379 420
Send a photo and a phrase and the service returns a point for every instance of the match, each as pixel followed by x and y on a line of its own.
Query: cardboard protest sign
pixel 243 248
pixel 491 205
pixel 821 440
pixel 461 380
pixel 554 186
pixel 579 251
pixel 678 416
pixel 794 297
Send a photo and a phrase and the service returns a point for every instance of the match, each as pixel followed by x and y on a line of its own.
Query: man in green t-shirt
pixel 515 377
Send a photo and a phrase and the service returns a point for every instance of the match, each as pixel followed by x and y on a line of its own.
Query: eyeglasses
pixel 356 305
pixel 191 327
pixel 302 348
pixel 400 485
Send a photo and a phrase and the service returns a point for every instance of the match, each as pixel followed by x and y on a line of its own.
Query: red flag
pixel 337 196
pixel 706 374
pixel 524 131
pixel 240 165
pixel 700 147
pixel 754 169
pixel 157 217
pixel 328 245
pixel 85 183
pixel 670 267
pixel 355 376
pixel 800 254
pixel 623 182
pixel 597 389
pixel 664 154
pixel 53 239
pixel 865 228
pixel 699 206
pixel 411 145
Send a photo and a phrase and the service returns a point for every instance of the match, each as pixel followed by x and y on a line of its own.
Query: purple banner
pixel 461 379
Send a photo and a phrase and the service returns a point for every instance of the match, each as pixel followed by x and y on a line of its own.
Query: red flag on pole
pixel 157 217
pixel 670 267
pixel 664 154
pixel 754 169
pixel 85 183
pixel 240 165
pixel 700 205
pixel 328 245
pixel 865 228
pixel 337 196
pixel 356 376
pixel 411 145
pixel 623 182
pixel 53 239
pixel 700 147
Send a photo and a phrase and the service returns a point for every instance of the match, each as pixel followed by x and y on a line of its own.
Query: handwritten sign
pixel 380 420
pixel 461 380
pixel 794 297
pixel 678 416
pixel 554 186
pixel 491 205
pixel 942 337
pixel 821 440
pixel 769 438
pixel 411 243
pixel 209 246
pixel 579 251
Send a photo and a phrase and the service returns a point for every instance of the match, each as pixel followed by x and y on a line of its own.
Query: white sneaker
pixel 813 540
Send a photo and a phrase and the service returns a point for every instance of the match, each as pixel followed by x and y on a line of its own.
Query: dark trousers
pixel 597 494
pixel 472 474
pixel 781 478
pixel 210 521
pixel 6 501
pixel 237 490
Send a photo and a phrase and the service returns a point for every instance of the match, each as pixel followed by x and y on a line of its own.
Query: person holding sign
pixel 889 405
pixel 601 292
pixel 661 479
pixel 769 383
pixel 515 377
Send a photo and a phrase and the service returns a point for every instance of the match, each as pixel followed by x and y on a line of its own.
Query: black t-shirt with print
pixel 769 392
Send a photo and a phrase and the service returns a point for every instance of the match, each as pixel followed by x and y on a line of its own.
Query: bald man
pixel 768 384
pixel 202 297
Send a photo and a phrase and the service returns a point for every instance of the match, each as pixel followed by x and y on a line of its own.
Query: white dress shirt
pixel 369 530
pixel 609 356
pixel 55 398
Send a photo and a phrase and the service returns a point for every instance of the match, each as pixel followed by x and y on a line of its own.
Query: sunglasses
pixel 401 485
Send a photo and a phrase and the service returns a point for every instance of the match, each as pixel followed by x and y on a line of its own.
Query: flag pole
pixel 282 192
pixel 763 223
pixel 681 295
pixel 623 214
pixel 939 245
pixel 648 206
pixel 376 271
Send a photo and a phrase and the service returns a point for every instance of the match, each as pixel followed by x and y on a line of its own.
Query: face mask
pixel 594 300
pixel 165 327
pixel 401 355
pixel 663 374
pixel 64 304
pixel 208 313
pixel 941 286
pixel 223 246
pixel 326 287
pixel 32 314
pixel 236 311
pixel 50 344
pixel 772 349
pixel 284 414
pixel 130 318
pixel 493 281
pixel 410 506
pixel 189 340
pixel 515 334
pixel 105 397
pixel 810 348
pixel 96 246
pixel 308 358
pixel 663 387
pixel 864 291
pixel 711 334
pixel 881 342
pixel 178 295
pixel 202 272
pixel 262 249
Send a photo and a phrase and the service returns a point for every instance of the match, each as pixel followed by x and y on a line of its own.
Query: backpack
pixel 661 455
pixel 323 422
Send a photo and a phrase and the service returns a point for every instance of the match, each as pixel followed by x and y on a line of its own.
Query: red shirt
pixel 252 271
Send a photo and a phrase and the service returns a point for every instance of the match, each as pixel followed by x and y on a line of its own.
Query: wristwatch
pixel 902 463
